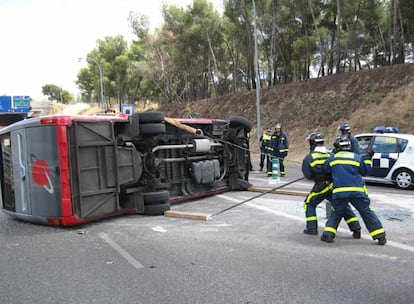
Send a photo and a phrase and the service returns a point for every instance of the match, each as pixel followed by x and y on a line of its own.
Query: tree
pixel 86 82
pixel 56 93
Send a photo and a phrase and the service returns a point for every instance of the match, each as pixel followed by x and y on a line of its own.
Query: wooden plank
pixel 279 191
pixel 188 215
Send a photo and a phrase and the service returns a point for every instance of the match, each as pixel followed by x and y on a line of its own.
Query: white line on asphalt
pixel 294 217
pixel 121 251
pixel 268 179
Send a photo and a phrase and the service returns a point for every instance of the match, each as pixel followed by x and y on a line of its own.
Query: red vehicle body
pixel 69 170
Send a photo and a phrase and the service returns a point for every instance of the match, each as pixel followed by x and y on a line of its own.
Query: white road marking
pixel 121 251
pixel 301 219
pixel 158 229
pixel 268 179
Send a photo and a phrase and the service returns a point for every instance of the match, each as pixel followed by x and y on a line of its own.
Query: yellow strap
pixel 344 162
pixel 330 229
pixel 349 189
pixel 320 155
pixel 344 154
pixel 376 232
pixel 317 162
pixel 311 218
pixel 312 194
pixel 352 219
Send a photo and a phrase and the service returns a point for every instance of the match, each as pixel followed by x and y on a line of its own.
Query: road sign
pixel 21 104
pixel 128 109
pixel 5 104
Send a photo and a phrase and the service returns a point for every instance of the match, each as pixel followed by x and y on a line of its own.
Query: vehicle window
pixel 385 144
pixel 403 144
pixel 363 142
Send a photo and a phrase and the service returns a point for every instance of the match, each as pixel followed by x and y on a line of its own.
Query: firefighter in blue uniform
pixel 347 169
pixel 279 148
pixel 312 168
pixel 264 144
pixel 345 131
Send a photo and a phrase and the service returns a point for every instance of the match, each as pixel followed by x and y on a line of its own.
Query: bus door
pixel 20 171
pixel 43 171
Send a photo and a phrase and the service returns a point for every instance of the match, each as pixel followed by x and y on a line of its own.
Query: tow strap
pixel 257 196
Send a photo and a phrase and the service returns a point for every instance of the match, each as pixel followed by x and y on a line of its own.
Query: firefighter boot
pixel 312 231
pixel 327 237
pixel 356 234
pixel 382 240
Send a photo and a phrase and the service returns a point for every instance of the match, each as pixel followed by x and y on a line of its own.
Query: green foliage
pixel 56 93
pixel 198 53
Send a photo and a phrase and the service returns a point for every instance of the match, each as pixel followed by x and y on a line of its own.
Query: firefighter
pixel 345 131
pixel 312 168
pixel 264 144
pixel 347 169
pixel 279 148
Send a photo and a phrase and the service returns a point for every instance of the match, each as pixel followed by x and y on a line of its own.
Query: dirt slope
pixel 365 99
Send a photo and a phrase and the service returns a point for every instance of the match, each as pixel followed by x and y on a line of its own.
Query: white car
pixel 390 157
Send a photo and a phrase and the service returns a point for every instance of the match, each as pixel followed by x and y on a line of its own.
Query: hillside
pixel 365 99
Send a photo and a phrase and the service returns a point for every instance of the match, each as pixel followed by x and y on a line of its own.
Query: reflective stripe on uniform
pixel 330 229
pixel 311 218
pixel 323 191
pixel 349 189
pixel 352 219
pixel 344 154
pixel 376 232
pixel 317 162
pixel 284 150
pixel 320 155
pixel 344 162
pixel 368 162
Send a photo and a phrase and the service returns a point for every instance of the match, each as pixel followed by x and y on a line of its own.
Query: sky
pixel 41 41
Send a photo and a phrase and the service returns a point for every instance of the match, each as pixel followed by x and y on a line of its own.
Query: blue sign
pixel 21 104
pixel 5 104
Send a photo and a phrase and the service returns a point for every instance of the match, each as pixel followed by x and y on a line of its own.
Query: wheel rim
pixel 404 179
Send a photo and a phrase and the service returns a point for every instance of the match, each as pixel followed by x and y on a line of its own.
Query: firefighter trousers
pixel 320 192
pixel 362 204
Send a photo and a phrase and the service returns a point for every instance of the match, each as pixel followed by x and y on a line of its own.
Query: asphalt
pixel 253 253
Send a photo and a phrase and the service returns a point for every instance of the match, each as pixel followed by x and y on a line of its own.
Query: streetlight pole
pixel 100 79
pixel 259 127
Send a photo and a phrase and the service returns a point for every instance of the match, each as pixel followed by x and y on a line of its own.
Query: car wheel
pixel 149 129
pixel 158 197
pixel 157 209
pixel 404 178
pixel 151 117
pixel 241 122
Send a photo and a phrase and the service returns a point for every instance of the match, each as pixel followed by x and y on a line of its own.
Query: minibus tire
pixel 149 129
pixel 151 198
pixel 151 117
pixel 156 209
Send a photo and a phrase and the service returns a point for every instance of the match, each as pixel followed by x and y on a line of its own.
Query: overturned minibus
pixel 67 170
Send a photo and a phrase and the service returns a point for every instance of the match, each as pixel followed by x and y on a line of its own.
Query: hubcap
pixel 403 179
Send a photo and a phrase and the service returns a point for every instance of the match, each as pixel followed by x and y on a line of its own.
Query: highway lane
pixel 253 253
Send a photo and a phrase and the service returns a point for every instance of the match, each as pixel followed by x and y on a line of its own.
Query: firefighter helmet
pixel 342 144
pixel 278 126
pixel 345 127
pixel 316 139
